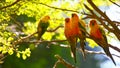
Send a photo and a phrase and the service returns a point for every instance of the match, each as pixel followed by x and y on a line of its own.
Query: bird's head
pixel 75 17
pixel 47 17
pixel 67 20
pixel 92 23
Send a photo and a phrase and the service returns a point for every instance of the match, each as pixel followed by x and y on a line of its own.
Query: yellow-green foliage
pixel 35 9
pixel 91 43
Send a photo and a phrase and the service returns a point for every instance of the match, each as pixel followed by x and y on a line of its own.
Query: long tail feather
pixel 106 49
pixel 82 43
pixel 73 49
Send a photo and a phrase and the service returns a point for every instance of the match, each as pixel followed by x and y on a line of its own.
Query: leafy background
pixel 21 19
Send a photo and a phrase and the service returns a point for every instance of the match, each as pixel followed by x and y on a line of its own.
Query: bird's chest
pixel 96 33
pixel 72 32
pixel 44 25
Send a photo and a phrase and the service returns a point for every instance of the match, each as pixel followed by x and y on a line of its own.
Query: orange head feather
pixel 45 18
pixel 67 20
pixel 67 23
pixel 75 17
pixel 93 23
pixel 75 20
pixel 95 31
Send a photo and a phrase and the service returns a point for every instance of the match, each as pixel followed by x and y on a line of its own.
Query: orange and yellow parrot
pixel 70 35
pixel 79 26
pixel 42 26
pixel 98 34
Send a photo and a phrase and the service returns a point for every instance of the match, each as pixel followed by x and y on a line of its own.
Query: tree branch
pixel 2 57
pixel 23 39
pixel 93 15
pixel 9 5
pixel 57 8
pixel 114 47
pixel 114 3
pixel 55 29
pixel 53 42
pixel 116 30
pixel 93 52
pixel 61 60
pixel 102 14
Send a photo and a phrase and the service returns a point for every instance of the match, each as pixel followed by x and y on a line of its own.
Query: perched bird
pixel 70 35
pixel 79 27
pixel 98 34
pixel 42 26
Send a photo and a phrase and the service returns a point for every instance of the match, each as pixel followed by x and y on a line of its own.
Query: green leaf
pixel 1 48
pixel 28 52
pixel 24 56
pixel 10 39
pixel 10 51
pixel 18 54
pixel 4 50
pixel 9 0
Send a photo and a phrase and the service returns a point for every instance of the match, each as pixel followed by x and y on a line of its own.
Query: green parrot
pixel 42 26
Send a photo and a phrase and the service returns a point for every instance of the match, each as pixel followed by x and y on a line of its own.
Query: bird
pixel 71 37
pixel 98 34
pixel 80 29
pixel 42 27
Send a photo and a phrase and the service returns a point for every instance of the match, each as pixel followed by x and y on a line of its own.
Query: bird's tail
pixel 82 45
pixel 73 49
pixel 106 49
pixel 39 36
pixel 38 39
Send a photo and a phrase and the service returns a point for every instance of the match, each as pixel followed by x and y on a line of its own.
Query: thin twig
pixel 9 5
pixel 55 29
pixel 114 47
pixel 2 57
pixel 94 52
pixel 22 39
pixel 52 41
pixel 114 3
pixel 57 7
pixel 115 28
pixel 56 63
pixel 93 15
pixel 61 60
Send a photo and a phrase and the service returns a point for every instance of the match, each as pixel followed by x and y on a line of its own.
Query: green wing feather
pixel 42 27
pixel 103 34
pixel 106 48
pixel 73 43
pixel 82 39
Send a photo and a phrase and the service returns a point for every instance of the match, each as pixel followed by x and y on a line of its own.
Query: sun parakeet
pixel 70 35
pixel 80 31
pixel 99 35
pixel 42 26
